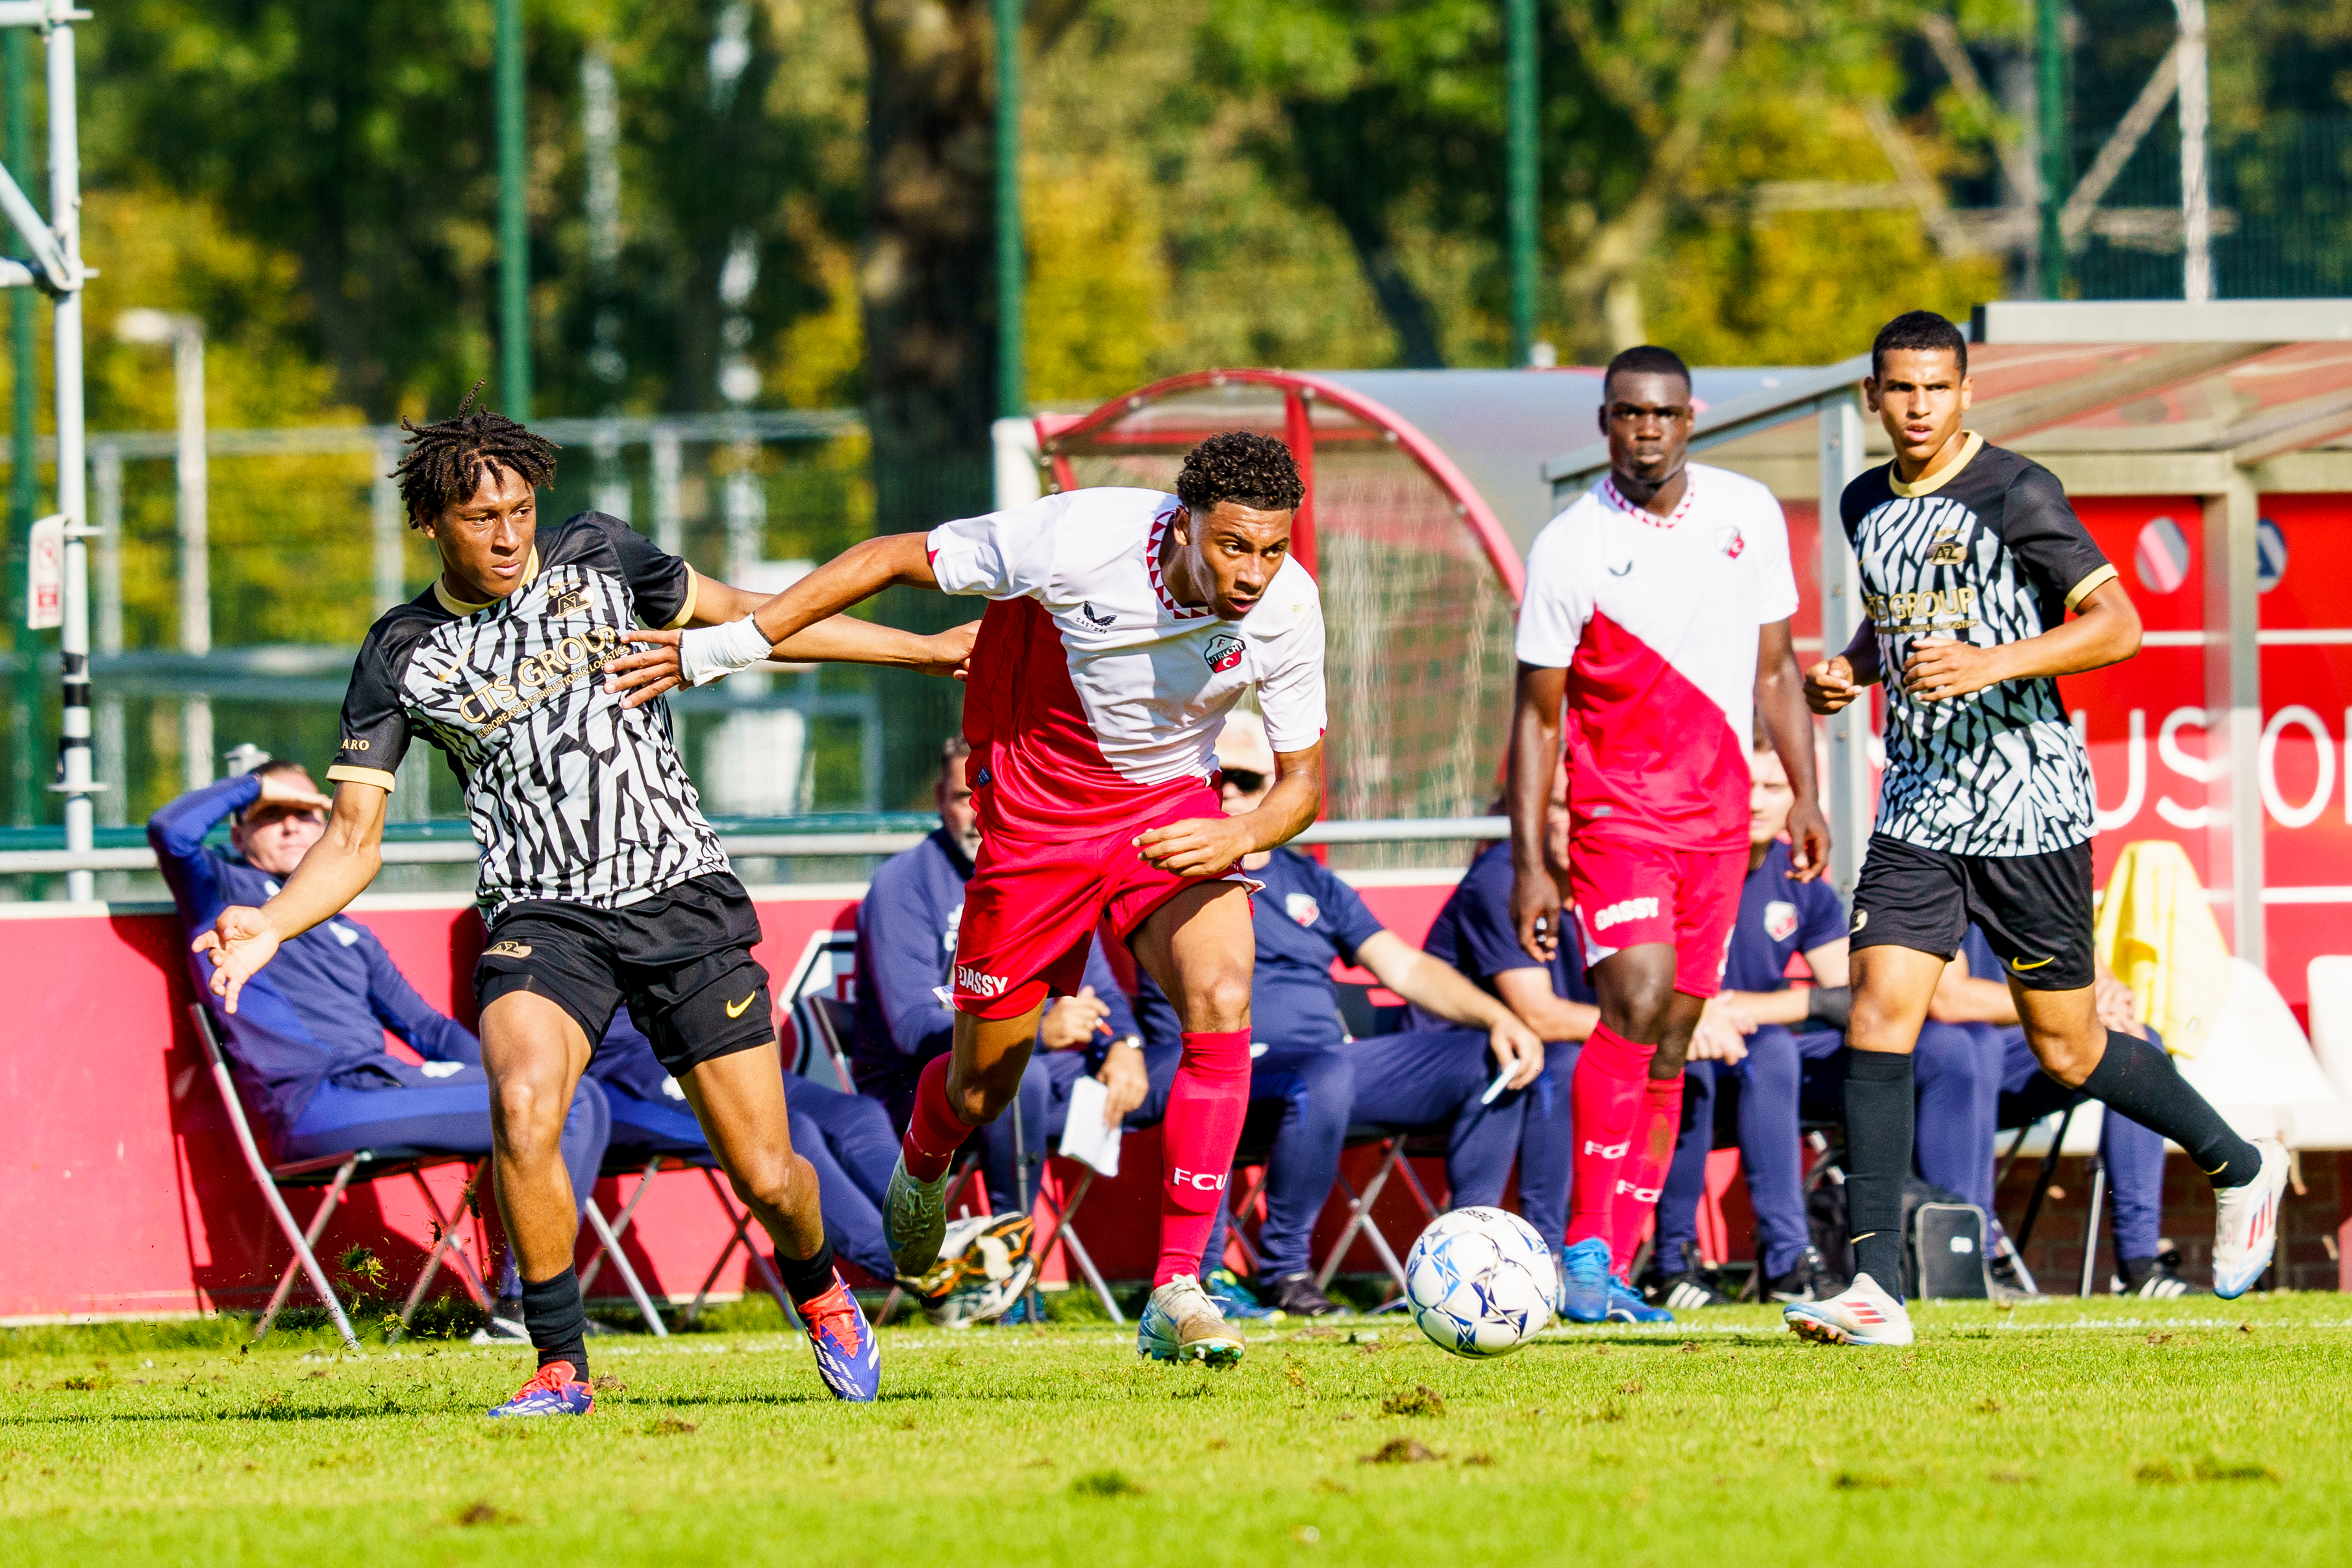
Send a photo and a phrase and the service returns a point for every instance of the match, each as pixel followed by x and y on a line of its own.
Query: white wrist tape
pixel 707 653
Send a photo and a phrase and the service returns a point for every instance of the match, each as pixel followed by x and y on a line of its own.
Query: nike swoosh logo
pixel 1621 570
pixel 2021 966
pixel 735 1009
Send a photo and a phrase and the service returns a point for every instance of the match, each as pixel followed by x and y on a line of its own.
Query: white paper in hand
pixel 1084 1137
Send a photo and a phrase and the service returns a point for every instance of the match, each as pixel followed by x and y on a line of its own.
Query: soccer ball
pixel 1480 1281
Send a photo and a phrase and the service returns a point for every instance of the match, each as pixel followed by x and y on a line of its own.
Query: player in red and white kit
pixel 1656 613
pixel 1125 624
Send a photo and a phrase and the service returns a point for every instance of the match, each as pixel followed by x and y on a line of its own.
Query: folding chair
pixel 1398 1147
pixel 336 1173
pixel 1061 1232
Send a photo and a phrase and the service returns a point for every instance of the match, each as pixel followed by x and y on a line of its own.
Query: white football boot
pixel 1182 1323
pixel 2245 1224
pixel 1864 1314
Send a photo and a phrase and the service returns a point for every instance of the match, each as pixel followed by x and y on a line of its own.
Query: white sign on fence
pixel 45 580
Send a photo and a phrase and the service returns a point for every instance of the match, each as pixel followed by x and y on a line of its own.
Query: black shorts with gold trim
pixel 2035 909
pixel 680 961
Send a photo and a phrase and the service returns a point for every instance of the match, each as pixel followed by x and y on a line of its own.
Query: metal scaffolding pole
pixel 1011 328
pixel 1522 195
pixel 514 237
pixel 24 481
pixel 2052 80
pixel 2196 173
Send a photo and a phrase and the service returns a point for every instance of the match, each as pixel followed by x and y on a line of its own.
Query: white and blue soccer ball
pixel 1480 1281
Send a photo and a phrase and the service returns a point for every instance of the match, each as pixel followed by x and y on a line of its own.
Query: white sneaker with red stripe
pixel 1864 1314
pixel 2245 1224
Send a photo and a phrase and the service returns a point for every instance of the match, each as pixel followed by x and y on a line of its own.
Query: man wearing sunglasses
pixel 307 1040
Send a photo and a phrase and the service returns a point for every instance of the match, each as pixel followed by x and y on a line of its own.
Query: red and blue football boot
pixel 552 1391
pixel 846 1356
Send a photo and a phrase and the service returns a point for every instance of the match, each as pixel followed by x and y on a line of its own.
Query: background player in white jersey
pixel 603 884
pixel 1126 625
pixel 1657 612
pixel 1971 559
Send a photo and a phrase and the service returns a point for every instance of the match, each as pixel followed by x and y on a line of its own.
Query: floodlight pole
pixel 2051 82
pixel 1523 178
pixel 1011 328
pixel 514 237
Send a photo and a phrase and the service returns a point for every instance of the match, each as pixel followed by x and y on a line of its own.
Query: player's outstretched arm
pixel 1838 680
pixel 1781 704
pixel 773 627
pixel 1534 760
pixel 336 871
pixel 1437 987
pixel 1208 846
pixel 2105 630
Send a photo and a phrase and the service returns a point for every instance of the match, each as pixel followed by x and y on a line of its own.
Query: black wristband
pixel 1829 1006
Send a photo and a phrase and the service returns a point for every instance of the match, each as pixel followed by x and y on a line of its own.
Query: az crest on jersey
pixel 1780 920
pixel 1302 907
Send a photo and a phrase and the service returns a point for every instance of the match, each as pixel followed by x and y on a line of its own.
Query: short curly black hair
pixel 1920 330
pixel 1252 470
pixel 446 462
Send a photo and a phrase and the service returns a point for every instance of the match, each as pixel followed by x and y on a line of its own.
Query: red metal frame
pixel 1052 429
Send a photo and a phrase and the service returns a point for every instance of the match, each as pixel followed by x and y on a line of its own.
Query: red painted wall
pixel 122 1191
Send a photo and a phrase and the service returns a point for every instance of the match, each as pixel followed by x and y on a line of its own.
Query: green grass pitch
pixel 2072 1432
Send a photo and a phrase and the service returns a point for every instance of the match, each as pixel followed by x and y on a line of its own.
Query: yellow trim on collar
pixel 693 592
pixel 341 773
pixel 1928 484
pixel 2105 575
pixel 456 606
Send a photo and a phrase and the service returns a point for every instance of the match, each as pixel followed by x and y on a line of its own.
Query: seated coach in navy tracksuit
pixel 306 1043
pixel 906 948
pixel 1433 1074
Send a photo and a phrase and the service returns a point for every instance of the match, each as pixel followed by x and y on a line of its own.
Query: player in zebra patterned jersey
pixel 1970 560
pixel 603 884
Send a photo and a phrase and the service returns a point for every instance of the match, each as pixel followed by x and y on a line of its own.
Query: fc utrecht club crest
pixel 1302 907
pixel 1223 651
pixel 1780 920
pixel 1730 541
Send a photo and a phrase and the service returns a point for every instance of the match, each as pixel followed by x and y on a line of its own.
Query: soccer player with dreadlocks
pixel 603 886
pixel 1124 625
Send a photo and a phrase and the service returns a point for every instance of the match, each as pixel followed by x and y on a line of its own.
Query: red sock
pixel 1634 1197
pixel 1205 1107
pixel 1604 1100
pixel 934 1133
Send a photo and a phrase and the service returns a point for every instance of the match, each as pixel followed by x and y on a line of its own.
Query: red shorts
pixel 1629 893
pixel 1030 908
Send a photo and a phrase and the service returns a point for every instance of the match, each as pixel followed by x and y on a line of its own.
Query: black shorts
pixel 2035 909
pixel 682 960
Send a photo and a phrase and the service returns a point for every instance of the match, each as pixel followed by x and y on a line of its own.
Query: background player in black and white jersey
pixel 1971 558
pixel 602 883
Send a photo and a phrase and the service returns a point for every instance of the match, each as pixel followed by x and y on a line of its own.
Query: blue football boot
pixel 1584 1282
pixel 553 1390
pixel 1626 1306
pixel 846 1356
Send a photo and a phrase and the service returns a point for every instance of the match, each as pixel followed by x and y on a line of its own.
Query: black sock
pixel 805 1279
pixel 2135 1272
pixel 2139 1080
pixel 1878 1127
pixel 557 1322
